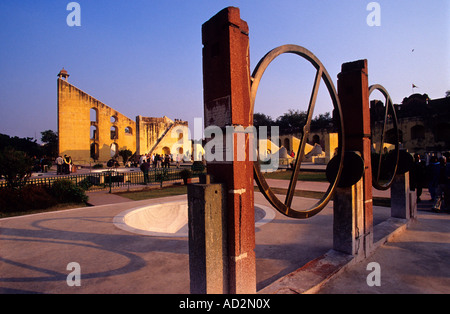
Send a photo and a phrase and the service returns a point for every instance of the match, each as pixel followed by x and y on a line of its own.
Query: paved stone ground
pixel 35 251
pixel 415 262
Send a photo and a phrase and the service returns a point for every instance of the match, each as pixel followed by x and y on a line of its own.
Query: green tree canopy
pixel 125 154
pixel 27 145
pixel 15 166
pixel 293 121
pixel 50 140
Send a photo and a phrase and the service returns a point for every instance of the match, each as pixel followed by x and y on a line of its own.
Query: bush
pixel 36 197
pixel 97 166
pixel 9 199
pixel 15 166
pixel 85 184
pixel 65 191
pixel 185 174
pixel 30 197
pixel 198 166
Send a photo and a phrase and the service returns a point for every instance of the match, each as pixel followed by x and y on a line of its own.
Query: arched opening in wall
pixel 166 150
pixel 94 133
pixel 287 144
pixel 114 150
pixel 443 132
pixel 114 119
pixel 94 115
pixel 94 151
pixel 128 131
pixel 114 133
pixel 418 132
pixel 180 150
pixel 316 139
pixel 389 137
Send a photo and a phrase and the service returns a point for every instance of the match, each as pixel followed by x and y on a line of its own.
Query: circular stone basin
pixel 171 219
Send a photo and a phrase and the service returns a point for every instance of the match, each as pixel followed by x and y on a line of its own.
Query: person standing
pixel 59 165
pixel 144 168
pixel 158 161
pixel 67 162
pixel 442 179
pixel 417 177
pixel 433 177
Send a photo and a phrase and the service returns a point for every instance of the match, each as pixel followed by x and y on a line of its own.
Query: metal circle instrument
pixel 321 74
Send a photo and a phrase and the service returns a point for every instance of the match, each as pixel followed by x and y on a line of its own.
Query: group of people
pixel 64 165
pixel 159 161
pixel 435 176
pixel 41 164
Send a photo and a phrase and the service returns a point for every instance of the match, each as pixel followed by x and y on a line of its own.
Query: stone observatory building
pixel 90 130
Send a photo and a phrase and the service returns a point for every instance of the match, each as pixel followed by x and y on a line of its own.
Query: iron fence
pixel 110 179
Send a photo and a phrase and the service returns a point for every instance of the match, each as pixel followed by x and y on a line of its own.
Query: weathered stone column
pixel 353 221
pixel 226 81
pixel 207 239
pixel 348 214
pixel 401 204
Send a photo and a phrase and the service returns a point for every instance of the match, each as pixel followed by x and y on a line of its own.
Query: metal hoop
pixel 322 74
pixel 376 178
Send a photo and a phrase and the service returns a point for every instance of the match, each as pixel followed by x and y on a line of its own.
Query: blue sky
pixel 145 57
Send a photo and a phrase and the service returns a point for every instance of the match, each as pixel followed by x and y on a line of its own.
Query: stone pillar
pixel 353 91
pixel 348 207
pixel 401 204
pixel 207 239
pixel 226 81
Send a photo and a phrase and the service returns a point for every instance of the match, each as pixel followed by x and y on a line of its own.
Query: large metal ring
pixel 322 74
pixel 376 174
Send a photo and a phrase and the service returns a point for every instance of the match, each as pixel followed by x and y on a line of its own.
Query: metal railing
pixel 110 179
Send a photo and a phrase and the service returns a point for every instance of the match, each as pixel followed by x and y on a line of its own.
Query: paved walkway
pixel 35 251
pixel 415 262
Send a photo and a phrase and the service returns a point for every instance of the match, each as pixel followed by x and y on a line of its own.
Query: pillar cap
pixel 63 73
pixel 354 66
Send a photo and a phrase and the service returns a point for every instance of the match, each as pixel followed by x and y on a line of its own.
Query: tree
pixel 322 121
pixel 125 154
pixel 50 140
pixel 447 94
pixel 260 119
pixel 27 145
pixel 15 166
pixel 291 122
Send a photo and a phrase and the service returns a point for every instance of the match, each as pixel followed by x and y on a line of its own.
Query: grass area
pixel 38 211
pixel 155 193
pixel 303 176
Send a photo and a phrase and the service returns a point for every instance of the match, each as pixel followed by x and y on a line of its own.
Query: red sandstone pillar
pixel 353 90
pixel 226 81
